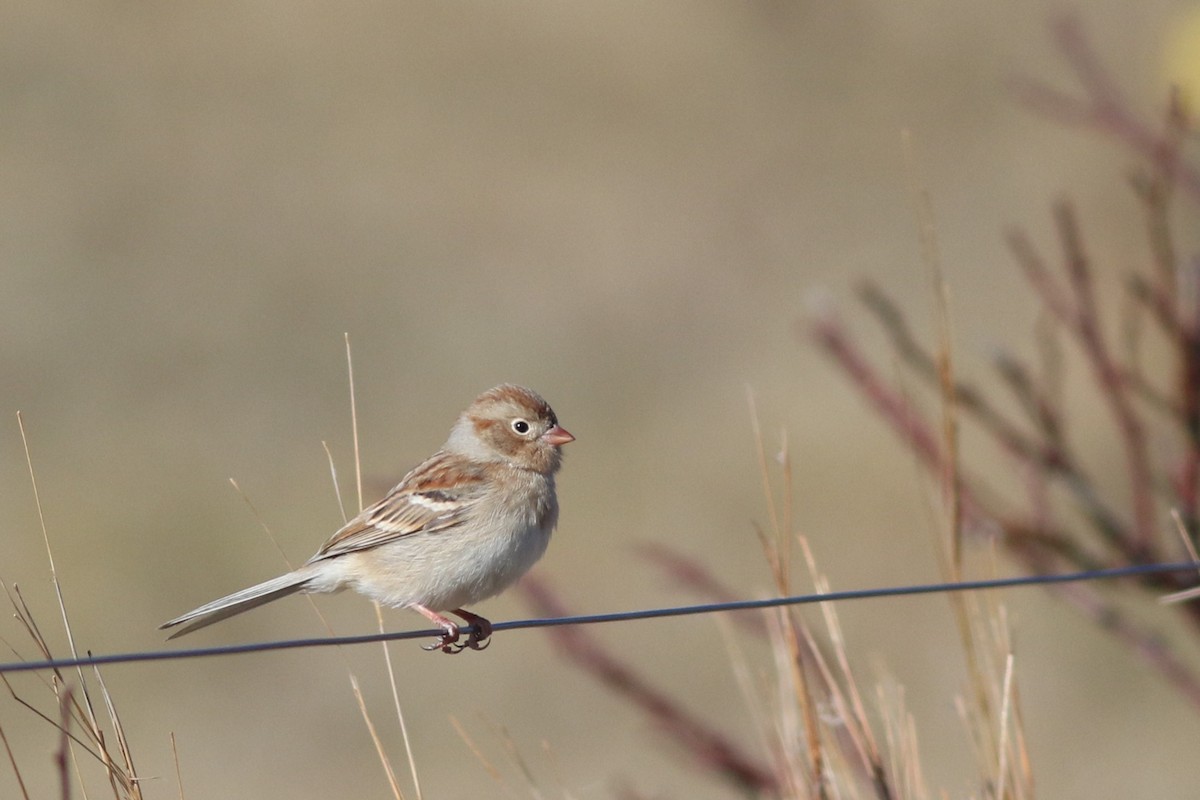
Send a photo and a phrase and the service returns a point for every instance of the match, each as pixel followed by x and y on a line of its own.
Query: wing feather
pixel 436 496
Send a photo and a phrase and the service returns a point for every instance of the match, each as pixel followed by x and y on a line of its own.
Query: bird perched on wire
pixel 460 527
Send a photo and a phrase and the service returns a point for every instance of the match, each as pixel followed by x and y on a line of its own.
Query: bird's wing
pixel 436 496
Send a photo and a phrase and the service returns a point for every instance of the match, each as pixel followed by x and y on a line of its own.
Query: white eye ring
pixel 520 426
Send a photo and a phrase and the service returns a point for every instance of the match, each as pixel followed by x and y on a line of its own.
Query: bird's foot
pixel 481 630
pixel 478 639
pixel 448 643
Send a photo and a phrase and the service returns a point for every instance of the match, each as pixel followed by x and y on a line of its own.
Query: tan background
pixel 624 205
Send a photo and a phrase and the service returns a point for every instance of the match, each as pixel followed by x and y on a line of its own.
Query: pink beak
pixel 558 436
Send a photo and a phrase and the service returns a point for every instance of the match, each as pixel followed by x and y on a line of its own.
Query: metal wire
pixel 620 616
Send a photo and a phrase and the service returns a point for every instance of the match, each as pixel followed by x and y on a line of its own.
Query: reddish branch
pixel 708 747
pixel 1076 309
pixel 1102 107
pixel 892 404
pixel 1029 547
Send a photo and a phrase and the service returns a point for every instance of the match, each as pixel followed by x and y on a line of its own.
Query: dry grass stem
pixel 385 762
pixel 488 766
pixel 777 550
pixel 387 658
pixel 178 769
pixel 380 750
pixel 121 780
pixel 358 482
pixel 12 761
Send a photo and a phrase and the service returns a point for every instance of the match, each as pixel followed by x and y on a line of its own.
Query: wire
pixel 620 616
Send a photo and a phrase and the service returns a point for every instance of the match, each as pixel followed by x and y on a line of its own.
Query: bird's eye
pixel 520 426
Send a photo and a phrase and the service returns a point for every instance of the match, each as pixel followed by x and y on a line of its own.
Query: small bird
pixel 460 527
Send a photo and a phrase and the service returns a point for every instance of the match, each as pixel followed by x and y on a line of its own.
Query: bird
pixel 460 527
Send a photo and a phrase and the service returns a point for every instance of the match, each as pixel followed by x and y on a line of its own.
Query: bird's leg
pixel 450 635
pixel 481 632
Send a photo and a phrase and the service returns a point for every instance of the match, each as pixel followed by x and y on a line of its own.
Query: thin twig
pixel 380 751
pixel 13 762
pixel 1110 376
pixel 178 770
pixel 132 784
pixel 1006 695
pixel 354 423
pixel 850 701
pixel 710 749
pixel 829 333
pixel 93 727
pixel 391 672
pixel 354 688
pixel 1102 108
pixel 488 766
pixel 62 757
pixel 1150 645
pixel 387 656
pixel 777 549
pixel 967 397
pixel 1079 317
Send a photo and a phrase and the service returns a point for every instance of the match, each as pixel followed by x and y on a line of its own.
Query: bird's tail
pixel 238 602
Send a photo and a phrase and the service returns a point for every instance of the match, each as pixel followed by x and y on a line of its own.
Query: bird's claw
pixel 481 632
pixel 448 643
pixel 478 640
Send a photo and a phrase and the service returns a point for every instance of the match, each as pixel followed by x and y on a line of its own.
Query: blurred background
pixel 626 206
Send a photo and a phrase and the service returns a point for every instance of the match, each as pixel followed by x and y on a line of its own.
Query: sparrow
pixel 459 528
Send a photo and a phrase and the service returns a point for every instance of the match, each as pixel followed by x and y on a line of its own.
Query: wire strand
pixel 618 616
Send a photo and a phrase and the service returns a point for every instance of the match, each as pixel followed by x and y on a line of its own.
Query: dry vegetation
pixel 825 729
pixel 823 739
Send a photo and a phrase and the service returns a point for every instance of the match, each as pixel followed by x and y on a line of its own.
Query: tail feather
pixel 238 602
